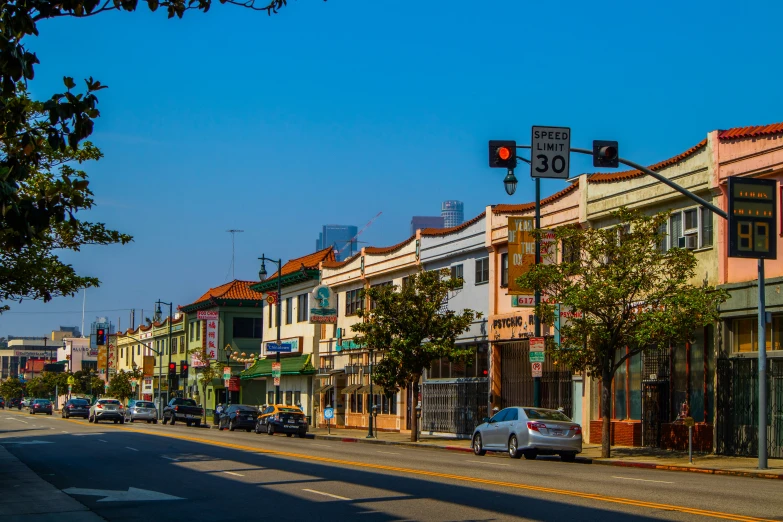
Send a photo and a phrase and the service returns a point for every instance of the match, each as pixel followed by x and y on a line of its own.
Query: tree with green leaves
pixel 11 388
pixel 38 207
pixel 120 386
pixel 412 328
pixel 633 297
pixel 206 374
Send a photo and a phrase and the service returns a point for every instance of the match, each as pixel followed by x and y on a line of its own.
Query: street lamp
pixel 262 277
pixel 158 313
pixel 510 182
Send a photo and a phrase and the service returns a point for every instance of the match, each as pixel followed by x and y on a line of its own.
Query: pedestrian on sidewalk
pixel 218 413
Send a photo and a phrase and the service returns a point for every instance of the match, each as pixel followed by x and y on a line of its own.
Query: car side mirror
pixel 485 419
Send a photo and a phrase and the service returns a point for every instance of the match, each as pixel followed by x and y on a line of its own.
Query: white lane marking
pixel 170 458
pixel 321 445
pixel 644 480
pixel 326 494
pixel 491 463
pixel 132 449
pixel 232 473
pixel 65 432
pixel 51 428
pixel 388 453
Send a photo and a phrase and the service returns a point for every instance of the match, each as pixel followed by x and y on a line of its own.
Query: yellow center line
pixel 461 478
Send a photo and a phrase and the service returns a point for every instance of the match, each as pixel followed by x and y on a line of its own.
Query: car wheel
pixel 122 421
pixel 258 428
pixel 247 430
pixel 116 421
pixel 530 454
pixel 198 423
pixel 165 420
pixel 188 424
pixel 49 413
pixel 231 426
pixel 302 434
pixel 154 421
pixel 270 430
pixel 289 434
pixel 568 457
pixel 513 447
pixel 172 420
pixel 478 445
pixel 89 418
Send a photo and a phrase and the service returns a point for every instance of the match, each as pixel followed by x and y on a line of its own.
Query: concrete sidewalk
pixel 650 458
pixel 29 498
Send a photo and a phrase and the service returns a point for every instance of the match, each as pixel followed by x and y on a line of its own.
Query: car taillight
pixel 176 408
pixel 535 426
pixel 35 405
pixel 70 406
pixel 277 417
pixel 99 406
pixel 577 430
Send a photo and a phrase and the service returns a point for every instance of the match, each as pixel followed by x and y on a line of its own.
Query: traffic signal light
pixel 172 369
pixel 503 154
pixel 606 154
pixel 100 337
pixel 183 370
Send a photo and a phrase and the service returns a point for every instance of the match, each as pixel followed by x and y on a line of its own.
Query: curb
pixel 708 471
pixel 420 445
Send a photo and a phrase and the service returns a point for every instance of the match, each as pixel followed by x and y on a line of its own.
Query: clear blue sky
pixel 331 112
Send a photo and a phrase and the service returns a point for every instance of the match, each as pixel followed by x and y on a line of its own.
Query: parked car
pixel 107 409
pixel 76 408
pixel 238 416
pixel 16 402
pixel 529 432
pixel 280 418
pixel 179 409
pixel 2 403
pixel 26 402
pixel 141 410
pixel 41 406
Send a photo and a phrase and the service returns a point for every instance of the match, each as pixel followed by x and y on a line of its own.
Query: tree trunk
pixel 414 417
pixel 606 414
pixel 204 400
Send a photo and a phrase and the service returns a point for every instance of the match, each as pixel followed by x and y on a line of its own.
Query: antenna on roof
pixel 233 233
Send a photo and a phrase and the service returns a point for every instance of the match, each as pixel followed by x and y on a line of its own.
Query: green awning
pixel 299 365
pixel 350 389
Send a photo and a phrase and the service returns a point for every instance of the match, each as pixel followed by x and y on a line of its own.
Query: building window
pixel 476 365
pixel 706 228
pixel 192 330
pixel 289 397
pixel 289 310
pixel 482 270
pixel 456 273
pixel 372 301
pixel 138 349
pixel 198 330
pixel 182 344
pixel 269 307
pixel 247 327
pixel 353 302
pixel 406 281
pixel 745 334
pixel 571 250
pixel 297 398
pixel 689 228
pixel 301 308
pixel 270 397
pixel 504 270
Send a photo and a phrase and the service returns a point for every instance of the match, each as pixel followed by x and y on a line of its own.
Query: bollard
pixel 690 444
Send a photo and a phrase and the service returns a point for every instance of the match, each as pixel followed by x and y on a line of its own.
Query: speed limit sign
pixel 549 151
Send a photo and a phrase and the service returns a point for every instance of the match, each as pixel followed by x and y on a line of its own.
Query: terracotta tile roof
pixel 339 264
pixel 389 249
pixel 608 177
pixel 523 207
pixel 310 262
pixel 451 230
pixel 750 132
pixel 235 290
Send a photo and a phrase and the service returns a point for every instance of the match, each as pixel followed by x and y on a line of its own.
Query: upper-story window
pixel 372 301
pixel 689 228
pixel 289 310
pixel 504 270
pixel 302 308
pixel 482 270
pixel 247 327
pixel 192 330
pixel 457 273
pixel 353 302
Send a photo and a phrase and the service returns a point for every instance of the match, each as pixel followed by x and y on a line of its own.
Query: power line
pixel 69 312
pixel 233 233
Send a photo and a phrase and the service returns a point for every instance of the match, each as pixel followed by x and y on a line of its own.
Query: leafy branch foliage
pixel 208 373
pixel 412 328
pixel 120 386
pixel 633 297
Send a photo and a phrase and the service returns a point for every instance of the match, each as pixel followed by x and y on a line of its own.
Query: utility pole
pixel 233 233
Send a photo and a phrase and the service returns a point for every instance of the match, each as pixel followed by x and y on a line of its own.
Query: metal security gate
pixel 454 407
pixel 655 395
pixel 516 379
pixel 737 404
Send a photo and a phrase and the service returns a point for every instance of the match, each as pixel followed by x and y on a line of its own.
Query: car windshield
pixel 290 410
pixel 142 404
pixel 185 402
pixel 553 415
pixel 246 408
pixel 79 402
pixel 41 401
pixel 109 401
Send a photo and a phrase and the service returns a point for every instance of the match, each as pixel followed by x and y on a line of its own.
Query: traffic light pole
pixel 537 323
pixel 160 370
pixel 168 381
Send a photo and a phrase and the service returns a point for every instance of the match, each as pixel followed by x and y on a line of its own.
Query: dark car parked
pixel 280 418
pixel 2 403
pixel 76 408
pixel 238 416
pixel 41 406
pixel 16 402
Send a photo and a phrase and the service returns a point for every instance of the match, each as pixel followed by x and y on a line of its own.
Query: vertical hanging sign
pixel 521 252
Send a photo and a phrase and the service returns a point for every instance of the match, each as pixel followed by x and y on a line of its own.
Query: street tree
pixel 120 386
pixel 38 207
pixel 633 296
pixel 12 388
pixel 206 373
pixel 412 327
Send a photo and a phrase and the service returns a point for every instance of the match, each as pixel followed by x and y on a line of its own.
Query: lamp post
pixel 262 277
pixel 371 407
pixel 158 313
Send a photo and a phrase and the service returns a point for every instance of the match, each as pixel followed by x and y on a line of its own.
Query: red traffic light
pixel 504 153
pixel 184 367
pixel 172 366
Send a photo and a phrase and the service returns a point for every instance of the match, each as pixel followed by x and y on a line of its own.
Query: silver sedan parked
pixel 141 410
pixel 529 432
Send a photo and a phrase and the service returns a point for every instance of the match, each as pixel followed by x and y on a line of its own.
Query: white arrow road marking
pixel 232 473
pixel 326 494
pixel 132 449
pixel 132 495
pixel 29 442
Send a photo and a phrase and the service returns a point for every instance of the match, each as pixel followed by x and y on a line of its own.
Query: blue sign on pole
pixel 282 347
pixel 329 413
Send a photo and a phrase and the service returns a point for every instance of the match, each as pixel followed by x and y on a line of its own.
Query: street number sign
pixel 329 413
pixel 753 218
pixel 550 151
pixel 537 369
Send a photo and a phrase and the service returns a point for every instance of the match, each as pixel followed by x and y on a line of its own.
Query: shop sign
pixel 521 252
pixel 233 384
pixel 295 342
pixel 323 308
pixel 207 315
pixel 510 326
pixel 149 365
pixel 210 339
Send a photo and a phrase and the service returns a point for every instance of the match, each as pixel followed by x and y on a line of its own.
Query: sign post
pixel 276 373
pixel 753 234
pixel 328 416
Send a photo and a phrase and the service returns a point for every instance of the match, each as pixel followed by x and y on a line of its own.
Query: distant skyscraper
pixel 453 213
pixel 422 222
pixel 337 237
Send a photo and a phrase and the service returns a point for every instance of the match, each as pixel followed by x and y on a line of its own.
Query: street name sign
pixel 282 347
pixel 549 152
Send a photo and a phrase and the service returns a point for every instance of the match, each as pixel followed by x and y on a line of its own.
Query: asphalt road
pixel 233 476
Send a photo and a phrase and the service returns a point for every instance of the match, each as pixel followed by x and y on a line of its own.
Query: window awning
pixel 350 389
pixel 299 365
pixel 366 389
pixel 323 389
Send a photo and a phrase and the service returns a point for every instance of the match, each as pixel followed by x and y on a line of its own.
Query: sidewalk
pixel 29 498
pixel 649 458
